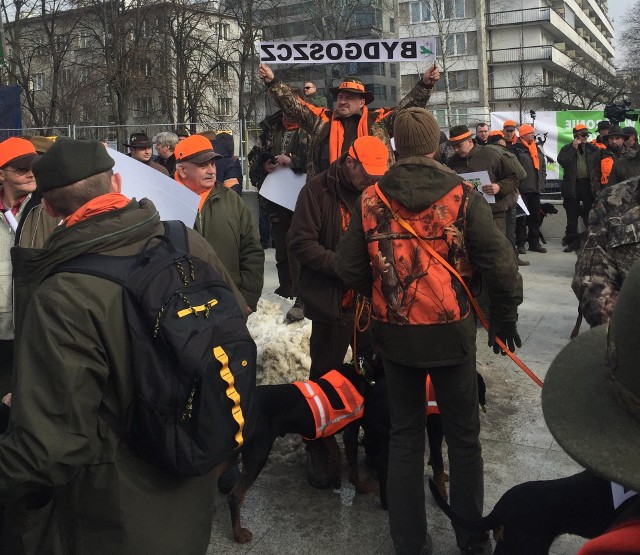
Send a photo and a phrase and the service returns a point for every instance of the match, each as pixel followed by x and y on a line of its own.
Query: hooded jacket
pixel 317 121
pixel 482 158
pixel 416 182
pixel 73 366
pixel 228 168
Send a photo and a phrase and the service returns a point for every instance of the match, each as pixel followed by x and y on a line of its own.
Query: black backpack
pixel 193 359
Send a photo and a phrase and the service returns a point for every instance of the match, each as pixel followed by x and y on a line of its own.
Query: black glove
pixel 508 332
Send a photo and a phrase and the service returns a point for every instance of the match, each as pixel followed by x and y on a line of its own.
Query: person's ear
pixel 49 209
pixel 116 183
pixel 362 103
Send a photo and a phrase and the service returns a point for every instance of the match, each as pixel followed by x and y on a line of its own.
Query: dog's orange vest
pixel 432 404
pixel 410 287
pixel 327 419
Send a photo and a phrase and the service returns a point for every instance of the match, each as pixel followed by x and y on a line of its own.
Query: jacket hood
pixel 416 182
pixel 223 144
pixel 102 233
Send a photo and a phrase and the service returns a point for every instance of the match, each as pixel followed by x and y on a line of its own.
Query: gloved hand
pixel 508 332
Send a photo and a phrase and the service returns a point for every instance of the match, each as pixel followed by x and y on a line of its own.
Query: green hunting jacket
pixel 72 369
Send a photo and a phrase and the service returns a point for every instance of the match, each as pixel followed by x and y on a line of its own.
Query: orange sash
pixel 336 136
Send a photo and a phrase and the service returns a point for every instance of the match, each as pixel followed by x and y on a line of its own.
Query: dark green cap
pixel 68 161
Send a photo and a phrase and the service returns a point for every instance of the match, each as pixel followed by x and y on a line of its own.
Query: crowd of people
pixel 387 219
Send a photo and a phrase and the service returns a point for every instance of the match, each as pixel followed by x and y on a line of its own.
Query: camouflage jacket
pixel 317 121
pixel 611 248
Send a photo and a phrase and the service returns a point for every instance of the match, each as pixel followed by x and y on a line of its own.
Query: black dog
pixel 528 517
pixel 282 409
pixel 546 208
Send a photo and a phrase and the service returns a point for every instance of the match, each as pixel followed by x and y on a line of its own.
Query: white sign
pixel 283 186
pixel 172 200
pixel 478 179
pixel 421 49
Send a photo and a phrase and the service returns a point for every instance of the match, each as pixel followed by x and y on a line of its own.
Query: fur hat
pixel 415 132
pixel 591 394
pixel 68 161
pixel 352 84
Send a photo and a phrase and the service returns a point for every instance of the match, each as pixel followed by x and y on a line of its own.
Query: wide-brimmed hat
pixel 372 153
pixel 17 152
pixel 459 133
pixel 352 84
pixel 604 124
pixel 617 131
pixel 139 140
pixel 630 131
pixel 591 394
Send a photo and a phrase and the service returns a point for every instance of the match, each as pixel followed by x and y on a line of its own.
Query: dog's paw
pixel 244 535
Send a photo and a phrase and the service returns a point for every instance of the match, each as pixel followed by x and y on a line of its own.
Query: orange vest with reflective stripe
pixel 327 419
pixel 410 287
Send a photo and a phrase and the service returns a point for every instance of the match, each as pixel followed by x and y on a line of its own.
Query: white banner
pixel 421 49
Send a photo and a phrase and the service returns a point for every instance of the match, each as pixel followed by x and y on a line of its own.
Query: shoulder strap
pixel 451 269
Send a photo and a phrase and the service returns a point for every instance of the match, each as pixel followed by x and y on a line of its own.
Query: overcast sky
pixel 617 13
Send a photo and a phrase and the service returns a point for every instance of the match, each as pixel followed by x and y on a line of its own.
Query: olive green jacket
pixel 72 367
pixel 226 222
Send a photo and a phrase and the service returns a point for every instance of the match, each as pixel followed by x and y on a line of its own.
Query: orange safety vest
pixel 432 404
pixel 329 420
pixel 410 287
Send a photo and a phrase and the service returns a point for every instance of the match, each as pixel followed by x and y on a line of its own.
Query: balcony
pixel 497 94
pixel 518 17
pixel 528 54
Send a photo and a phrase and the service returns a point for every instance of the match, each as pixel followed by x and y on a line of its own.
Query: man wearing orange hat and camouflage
pixel 533 162
pixel 580 161
pixel 223 217
pixel 16 192
pixel 321 217
pixel 332 132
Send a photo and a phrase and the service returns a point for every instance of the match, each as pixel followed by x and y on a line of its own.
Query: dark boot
pixel 318 465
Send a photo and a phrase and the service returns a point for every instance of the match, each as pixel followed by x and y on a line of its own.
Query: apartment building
pixel 508 55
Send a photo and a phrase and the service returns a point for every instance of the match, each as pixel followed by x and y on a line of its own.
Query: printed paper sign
pixel 421 49
pixel 172 200
pixel 282 186
pixel 477 179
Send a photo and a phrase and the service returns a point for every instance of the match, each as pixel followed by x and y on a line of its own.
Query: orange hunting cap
pixel 196 149
pixel 17 152
pixel 509 123
pixel 372 153
pixel 526 128
pixel 580 127
pixel 496 133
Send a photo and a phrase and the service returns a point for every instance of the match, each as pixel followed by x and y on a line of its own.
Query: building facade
pixel 511 55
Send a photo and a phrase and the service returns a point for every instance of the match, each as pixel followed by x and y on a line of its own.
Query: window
pixel 394 94
pixel 144 105
pixel 66 76
pixel 144 68
pixel 393 68
pixel 420 11
pixel 379 91
pixel 451 9
pixel 83 41
pixel 456 44
pixel 59 43
pixel 144 29
pixel 224 106
pixel 392 25
pixel 223 30
pixel 222 70
pixel 37 82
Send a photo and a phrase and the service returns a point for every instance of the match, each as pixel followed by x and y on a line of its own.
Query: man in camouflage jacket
pixel 324 125
pixel 611 248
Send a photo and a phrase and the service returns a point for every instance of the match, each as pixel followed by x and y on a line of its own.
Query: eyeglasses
pixel 583 135
pixel 18 171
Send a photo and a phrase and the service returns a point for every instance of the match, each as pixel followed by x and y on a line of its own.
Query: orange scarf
pixel 336 136
pixel 289 126
pixel 533 151
pixel 98 205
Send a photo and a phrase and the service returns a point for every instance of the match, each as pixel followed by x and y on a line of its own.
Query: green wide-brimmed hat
pixel 591 395
pixel 352 84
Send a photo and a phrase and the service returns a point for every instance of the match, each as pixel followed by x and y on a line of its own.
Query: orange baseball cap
pixel 196 149
pixel 372 153
pixel 496 133
pixel 17 152
pixel 509 123
pixel 581 127
pixel 526 128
